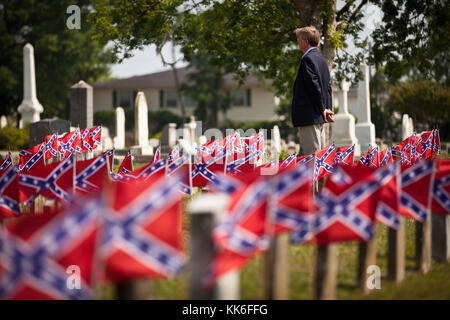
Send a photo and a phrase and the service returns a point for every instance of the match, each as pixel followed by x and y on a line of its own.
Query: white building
pixel 255 100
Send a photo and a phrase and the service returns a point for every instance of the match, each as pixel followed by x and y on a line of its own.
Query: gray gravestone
pixel 40 129
pixel 168 137
pixel 81 105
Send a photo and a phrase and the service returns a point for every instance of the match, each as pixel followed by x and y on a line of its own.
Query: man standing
pixel 311 102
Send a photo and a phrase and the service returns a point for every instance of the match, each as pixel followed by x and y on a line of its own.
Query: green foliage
pixel 157 120
pixel 413 40
pixel 337 36
pixel 206 85
pixel 245 35
pixel 386 126
pixel 427 102
pixel 13 139
pixel 239 36
pixel 62 56
pixel 287 131
pixel 133 24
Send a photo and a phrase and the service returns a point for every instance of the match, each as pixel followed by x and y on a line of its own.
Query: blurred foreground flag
pixel 244 230
pixel 39 253
pixel 141 234
pixel 346 207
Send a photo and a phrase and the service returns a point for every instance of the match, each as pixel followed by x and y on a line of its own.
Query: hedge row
pixel 13 139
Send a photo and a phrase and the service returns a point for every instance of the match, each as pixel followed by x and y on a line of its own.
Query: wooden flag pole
pixel 423 235
pixel 325 275
pixel 276 261
pixel 396 252
pixel 205 212
pixel 440 237
pixel 367 256
pixel 190 173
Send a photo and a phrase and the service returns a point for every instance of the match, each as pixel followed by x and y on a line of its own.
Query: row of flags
pixel 416 147
pixel 121 232
pixel 74 142
pixel 232 154
pixel 128 225
pixel 59 180
pixel 353 199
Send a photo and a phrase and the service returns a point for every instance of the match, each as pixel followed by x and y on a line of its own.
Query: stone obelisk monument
pixel 344 123
pixel 30 108
pixel 365 129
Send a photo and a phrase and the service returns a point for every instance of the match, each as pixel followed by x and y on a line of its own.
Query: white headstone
pixel 119 139
pixel 343 132
pixel 365 129
pixel 411 126
pixel 192 127
pixel 202 140
pixel 3 121
pixel 107 141
pixel 30 108
pixel 172 134
pixel 405 126
pixel 141 126
pixel 276 137
pixel 153 142
pixel 186 133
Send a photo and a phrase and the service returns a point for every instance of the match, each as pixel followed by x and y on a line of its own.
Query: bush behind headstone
pixel 13 139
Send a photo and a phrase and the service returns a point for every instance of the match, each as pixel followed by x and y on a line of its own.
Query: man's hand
pixel 328 115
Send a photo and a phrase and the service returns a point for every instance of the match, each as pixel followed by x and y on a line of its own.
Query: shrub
pixel 14 139
pixel 427 102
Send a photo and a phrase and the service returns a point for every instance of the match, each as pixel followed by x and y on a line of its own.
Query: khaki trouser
pixel 312 139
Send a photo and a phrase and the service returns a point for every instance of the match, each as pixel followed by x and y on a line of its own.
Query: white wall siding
pixel 103 99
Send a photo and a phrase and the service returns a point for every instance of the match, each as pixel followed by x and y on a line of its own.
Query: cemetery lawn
pixel 434 285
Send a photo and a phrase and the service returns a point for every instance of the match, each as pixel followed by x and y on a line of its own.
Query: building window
pixel 168 98
pixel 189 102
pixel 123 98
pixel 242 98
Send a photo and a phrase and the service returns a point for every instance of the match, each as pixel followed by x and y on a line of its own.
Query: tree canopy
pixel 413 39
pixel 206 86
pixel 240 36
pixel 62 56
pixel 427 102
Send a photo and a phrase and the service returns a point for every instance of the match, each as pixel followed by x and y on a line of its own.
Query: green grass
pixel 434 285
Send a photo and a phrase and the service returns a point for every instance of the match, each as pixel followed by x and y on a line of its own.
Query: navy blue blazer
pixel 312 90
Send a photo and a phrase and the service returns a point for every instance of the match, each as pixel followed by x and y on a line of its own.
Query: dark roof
pixel 165 79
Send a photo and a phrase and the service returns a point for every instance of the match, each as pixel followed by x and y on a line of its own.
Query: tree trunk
pixel 179 94
pixel 308 12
